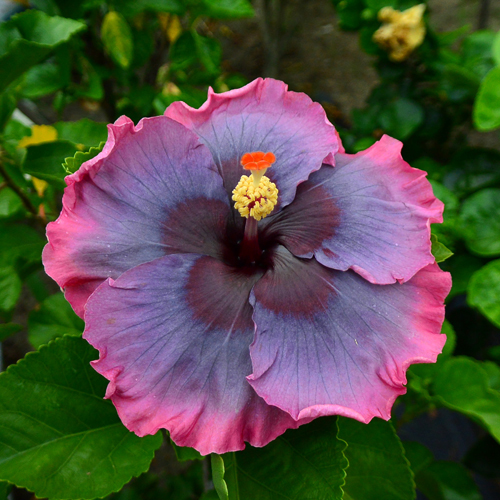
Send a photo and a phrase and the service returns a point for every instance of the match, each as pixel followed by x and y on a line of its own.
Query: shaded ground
pixel 327 63
pixel 318 58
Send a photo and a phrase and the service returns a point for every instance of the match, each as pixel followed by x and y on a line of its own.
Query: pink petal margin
pixel 171 365
pixel 346 345
pixel 401 183
pixel 100 206
pixel 55 254
pixel 193 118
pixel 272 97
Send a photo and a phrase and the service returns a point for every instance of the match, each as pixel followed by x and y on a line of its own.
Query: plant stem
pixel 269 17
pixel 24 198
pixel 484 14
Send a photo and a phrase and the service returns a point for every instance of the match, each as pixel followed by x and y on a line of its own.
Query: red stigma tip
pixel 257 160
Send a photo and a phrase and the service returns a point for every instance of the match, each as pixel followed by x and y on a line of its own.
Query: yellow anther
pixel 401 32
pixel 256 201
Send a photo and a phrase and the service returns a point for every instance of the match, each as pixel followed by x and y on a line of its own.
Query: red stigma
pixel 257 160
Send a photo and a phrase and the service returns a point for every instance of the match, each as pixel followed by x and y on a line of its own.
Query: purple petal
pixel 152 191
pixel 370 213
pixel 173 337
pixel 262 116
pixel 331 343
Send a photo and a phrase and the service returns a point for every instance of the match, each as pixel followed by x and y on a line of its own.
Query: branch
pixel 24 198
pixel 484 14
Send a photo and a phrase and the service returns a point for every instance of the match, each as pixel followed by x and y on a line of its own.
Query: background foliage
pixel 66 68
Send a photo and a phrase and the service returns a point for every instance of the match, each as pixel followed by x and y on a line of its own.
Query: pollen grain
pixel 255 201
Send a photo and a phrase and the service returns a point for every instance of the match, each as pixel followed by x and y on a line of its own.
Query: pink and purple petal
pixel 329 342
pixel 173 337
pixel 262 116
pixel 370 213
pixel 153 190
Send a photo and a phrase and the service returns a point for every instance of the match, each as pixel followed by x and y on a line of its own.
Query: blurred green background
pixel 68 67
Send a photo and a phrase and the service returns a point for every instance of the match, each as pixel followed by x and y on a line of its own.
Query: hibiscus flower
pixel 224 325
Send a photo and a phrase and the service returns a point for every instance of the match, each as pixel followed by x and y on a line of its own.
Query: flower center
pixel 255 195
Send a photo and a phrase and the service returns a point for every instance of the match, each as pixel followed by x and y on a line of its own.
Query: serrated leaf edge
pixel 93 149
pixel 34 353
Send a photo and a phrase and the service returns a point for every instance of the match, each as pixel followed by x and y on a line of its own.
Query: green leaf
pixel 10 288
pixel 166 481
pixel 495 49
pixel 440 480
pixel 418 455
pixel 183 52
pixel 47 6
pixel 91 85
pixel 44 161
pixel 363 143
pixel 195 58
pixel 218 476
pixel 365 120
pixel 494 353
pixel 59 437
pixel 447 231
pixel 137 103
pixel 401 118
pixel 349 13
pixel 379 4
pixel 462 385
pixel 450 37
pixel 476 52
pixel 19 242
pixel 54 318
pixel 28 38
pixel 459 83
pixel 378 467
pixel 10 203
pixel 227 9
pixel 131 8
pixel 493 371
pixel 8 104
pixel 15 131
pixel 144 47
pixel 483 291
pixel 366 35
pixel 4 490
pixel 184 453
pixel 84 131
pixel 117 38
pixel 208 51
pixel 42 79
pixel 480 221
pixel 191 96
pixel 304 463
pixel 440 252
pixel 423 374
pixel 74 9
pixel 447 481
pixel 472 169
pixel 39 286
pixel 450 200
pixel 451 341
pixel 72 164
pixel 210 495
pixel 486 112
pixel 8 329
